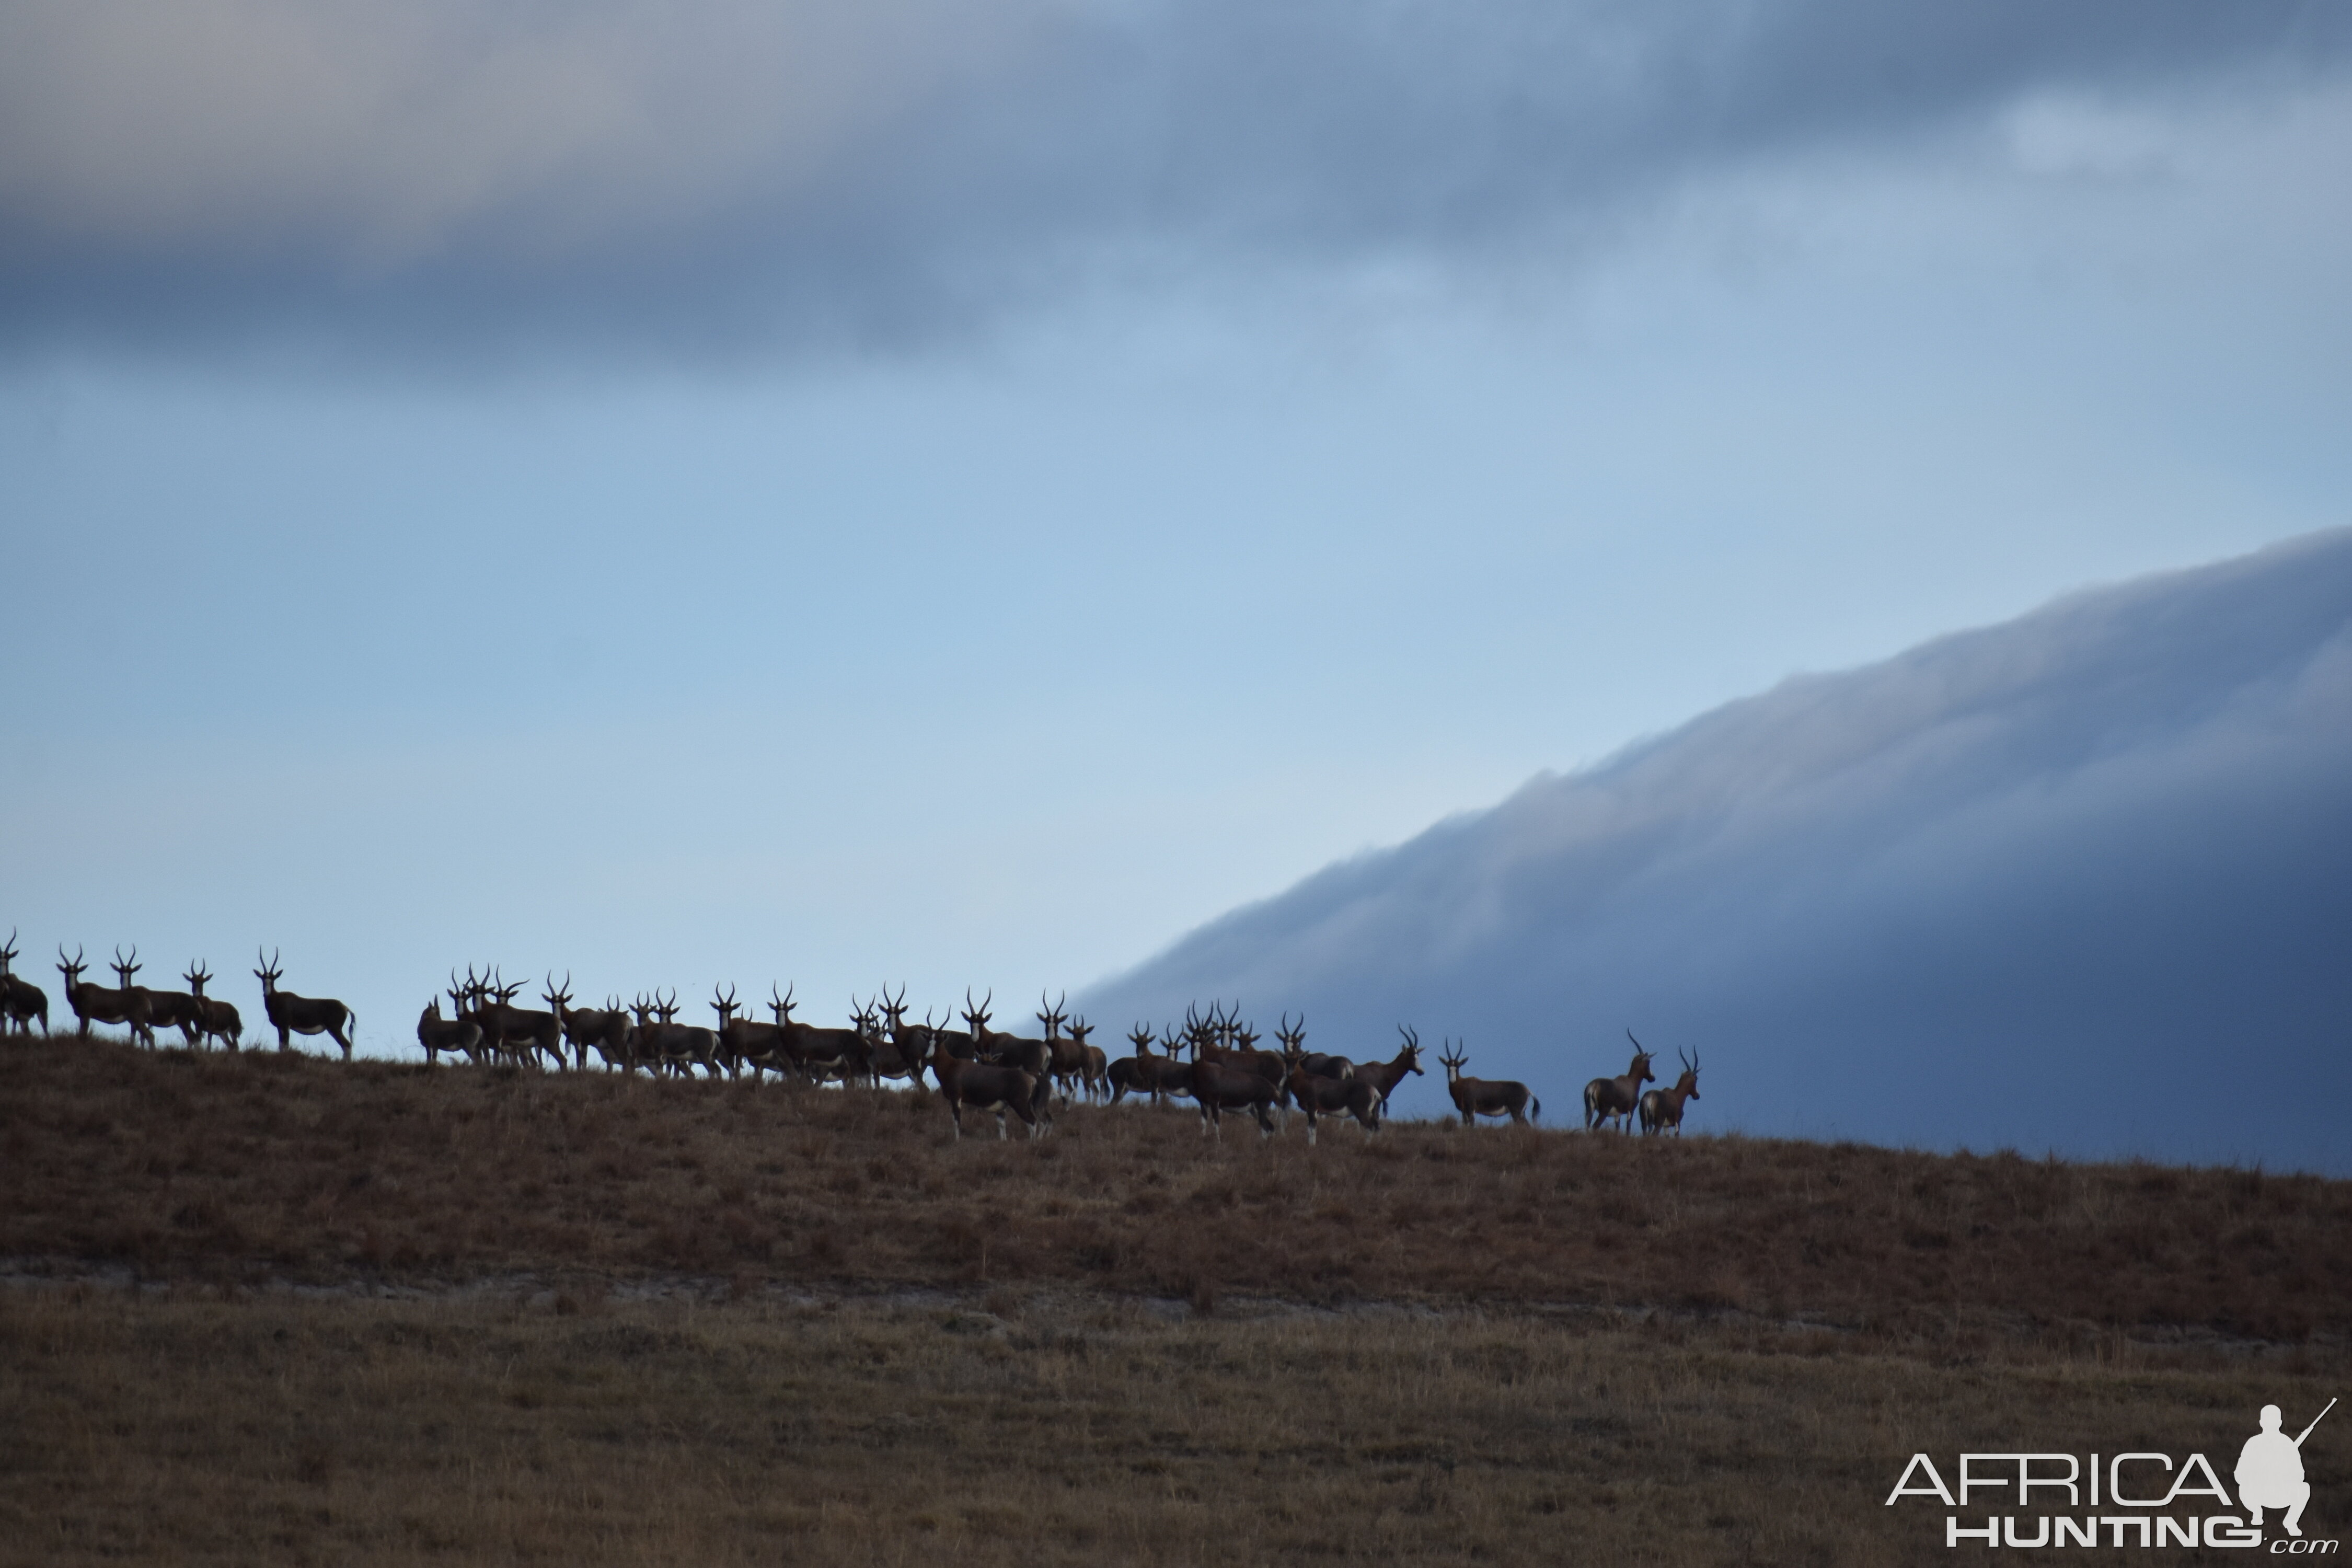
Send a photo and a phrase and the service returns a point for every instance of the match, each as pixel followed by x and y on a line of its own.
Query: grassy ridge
pixel 232 1167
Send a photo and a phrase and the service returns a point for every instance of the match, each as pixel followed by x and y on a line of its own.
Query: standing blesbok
pixel 1477 1097
pixel 906 1048
pixel 679 1047
pixel 170 1010
pixel 605 1027
pixel 1066 1055
pixel 986 1086
pixel 1094 1067
pixel 216 1019
pixel 123 971
pixel 747 1041
pixel 461 1037
pixel 1318 1096
pixel 291 1014
pixel 1221 1081
pixel 820 1053
pixel 1662 1108
pixel 1148 1071
pixel 21 1001
pixel 1616 1099
pixel 1322 1064
pixel 126 1004
pixel 1035 1057
pixel 1385 1075
pixel 515 1035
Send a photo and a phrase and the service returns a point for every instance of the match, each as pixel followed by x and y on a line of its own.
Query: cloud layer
pixel 713 172
pixel 2082 881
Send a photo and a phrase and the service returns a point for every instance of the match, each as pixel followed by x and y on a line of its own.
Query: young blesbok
pixel 461 1036
pixel 1385 1075
pixel 21 1001
pixel 1318 1096
pixel 1477 1097
pixel 1616 1099
pixel 986 1086
pixel 216 1019
pixel 1662 1108
pixel 291 1014
pixel 124 1004
pixel 1221 1081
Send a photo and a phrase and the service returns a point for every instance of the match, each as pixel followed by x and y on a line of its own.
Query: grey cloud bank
pixel 449 176
pixel 2081 881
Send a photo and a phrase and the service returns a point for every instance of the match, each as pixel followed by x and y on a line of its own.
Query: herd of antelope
pixel 1213 1061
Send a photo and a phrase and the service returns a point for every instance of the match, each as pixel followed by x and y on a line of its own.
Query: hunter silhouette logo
pixel 2138 1498
pixel 2270 1471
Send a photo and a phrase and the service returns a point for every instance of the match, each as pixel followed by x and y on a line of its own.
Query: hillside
pixel 260 1166
pixel 2081 881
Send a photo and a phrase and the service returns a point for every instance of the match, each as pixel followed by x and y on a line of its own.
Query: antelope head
pixel 1052 1015
pixel 1640 1071
pixel 1411 1051
pixel 125 968
pixel 1454 1060
pixel 1293 1037
pixel 8 954
pixel 1139 1037
pixel 269 971
pixel 197 975
pixel 1080 1029
pixel 556 998
pixel 723 1005
pixel 71 968
pixel 895 1008
pixel 665 1008
pixel 1690 1072
pixel 782 1006
pixel 977 1016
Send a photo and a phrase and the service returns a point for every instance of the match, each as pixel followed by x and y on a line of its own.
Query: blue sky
pixel 963 495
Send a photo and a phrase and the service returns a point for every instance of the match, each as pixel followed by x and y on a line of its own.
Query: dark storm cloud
pixel 2083 882
pixel 701 176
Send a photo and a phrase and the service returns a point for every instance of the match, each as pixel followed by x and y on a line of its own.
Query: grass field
pixel 267 1308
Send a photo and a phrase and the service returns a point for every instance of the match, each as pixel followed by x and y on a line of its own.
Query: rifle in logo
pixel 2270 1471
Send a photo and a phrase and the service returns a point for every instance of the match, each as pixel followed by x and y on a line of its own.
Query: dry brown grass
pixel 1061 1428
pixel 239 1168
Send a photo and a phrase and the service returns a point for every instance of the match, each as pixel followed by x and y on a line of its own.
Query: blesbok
pixel 905 1049
pixel 1237 1045
pixel 986 1086
pixel 1322 1064
pixel 1066 1055
pixel 1616 1099
pixel 1035 1057
pixel 1148 1072
pixel 606 1028
pixel 21 1001
pixel 1318 1096
pixel 292 1014
pixel 746 1041
pixel 820 1053
pixel 1662 1108
pixel 514 1034
pixel 125 1004
pixel 216 1019
pixel 1477 1097
pixel 1221 1083
pixel 1385 1075
pixel 1094 1067
pixel 166 1009
pixel 679 1047
pixel 461 1037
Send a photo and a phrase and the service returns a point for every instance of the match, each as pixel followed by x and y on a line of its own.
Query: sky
pixel 955 494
